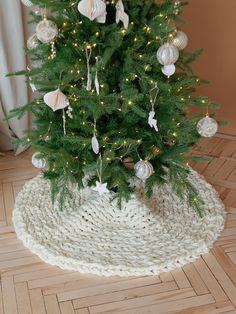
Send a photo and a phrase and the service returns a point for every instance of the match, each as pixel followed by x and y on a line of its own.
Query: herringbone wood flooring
pixel 207 286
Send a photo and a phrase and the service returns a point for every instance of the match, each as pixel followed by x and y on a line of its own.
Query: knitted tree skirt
pixel 93 235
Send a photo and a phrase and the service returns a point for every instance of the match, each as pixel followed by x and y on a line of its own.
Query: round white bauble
pixel 143 169
pixel 207 127
pixel 180 41
pixel 168 70
pixel 46 31
pixel 32 42
pixel 39 163
pixel 28 3
pixel 167 54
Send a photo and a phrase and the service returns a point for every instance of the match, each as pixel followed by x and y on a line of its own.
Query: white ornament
pixel 32 42
pixel 37 162
pixel 32 85
pixel 168 70
pixel 167 54
pixel 93 9
pixel 101 188
pixel 56 100
pixel 28 3
pixel 207 127
pixel 121 15
pixel 143 169
pixel 151 121
pixel 95 145
pixel 180 41
pixel 46 31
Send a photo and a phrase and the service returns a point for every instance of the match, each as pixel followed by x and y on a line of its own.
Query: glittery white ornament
pixel 37 162
pixel 167 54
pixel 46 31
pixel 180 41
pixel 143 169
pixel 56 100
pixel 168 70
pixel 207 127
pixel 95 145
pixel 28 3
pixel 32 42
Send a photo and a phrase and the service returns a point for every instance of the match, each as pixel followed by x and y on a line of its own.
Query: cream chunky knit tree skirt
pixel 93 235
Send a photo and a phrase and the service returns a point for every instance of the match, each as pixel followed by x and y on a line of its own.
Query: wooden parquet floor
pixel 207 286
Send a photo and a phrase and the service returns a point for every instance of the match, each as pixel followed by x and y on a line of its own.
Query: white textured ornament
pixel 167 54
pixel 56 100
pixel 104 239
pixel 46 31
pixel 32 85
pixel 28 3
pixel 121 15
pixel 168 70
pixel 93 9
pixel 39 163
pixel 95 145
pixel 180 41
pixel 143 169
pixel 101 188
pixel 32 42
pixel 151 121
pixel 207 127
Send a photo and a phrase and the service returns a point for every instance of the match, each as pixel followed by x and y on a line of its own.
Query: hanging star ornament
pixel 101 188
pixel 151 121
pixel 121 15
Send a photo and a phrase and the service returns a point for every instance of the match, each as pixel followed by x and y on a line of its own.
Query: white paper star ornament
pixel 151 121
pixel 121 15
pixel 101 188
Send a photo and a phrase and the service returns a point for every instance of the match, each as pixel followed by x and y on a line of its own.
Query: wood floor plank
pixel 51 304
pixel 9 296
pixel 1 300
pixel 210 281
pixel 66 307
pixel 215 308
pixel 22 298
pixel 180 278
pixel 124 295
pixel 82 311
pixel 195 279
pixel 221 276
pixel 167 306
pixel 8 201
pixel 109 287
pixel 37 301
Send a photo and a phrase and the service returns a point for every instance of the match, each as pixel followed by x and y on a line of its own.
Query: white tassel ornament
pixel 56 100
pixel 95 145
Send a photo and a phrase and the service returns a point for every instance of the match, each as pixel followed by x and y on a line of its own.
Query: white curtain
pixel 13 90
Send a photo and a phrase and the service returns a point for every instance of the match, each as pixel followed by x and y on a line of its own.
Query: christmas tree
pixel 114 86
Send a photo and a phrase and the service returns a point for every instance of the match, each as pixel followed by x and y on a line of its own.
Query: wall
pixel 211 24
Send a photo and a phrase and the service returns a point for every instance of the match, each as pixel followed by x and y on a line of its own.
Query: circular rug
pixel 93 234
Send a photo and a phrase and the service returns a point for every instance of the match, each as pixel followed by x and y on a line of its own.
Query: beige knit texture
pixel 93 235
